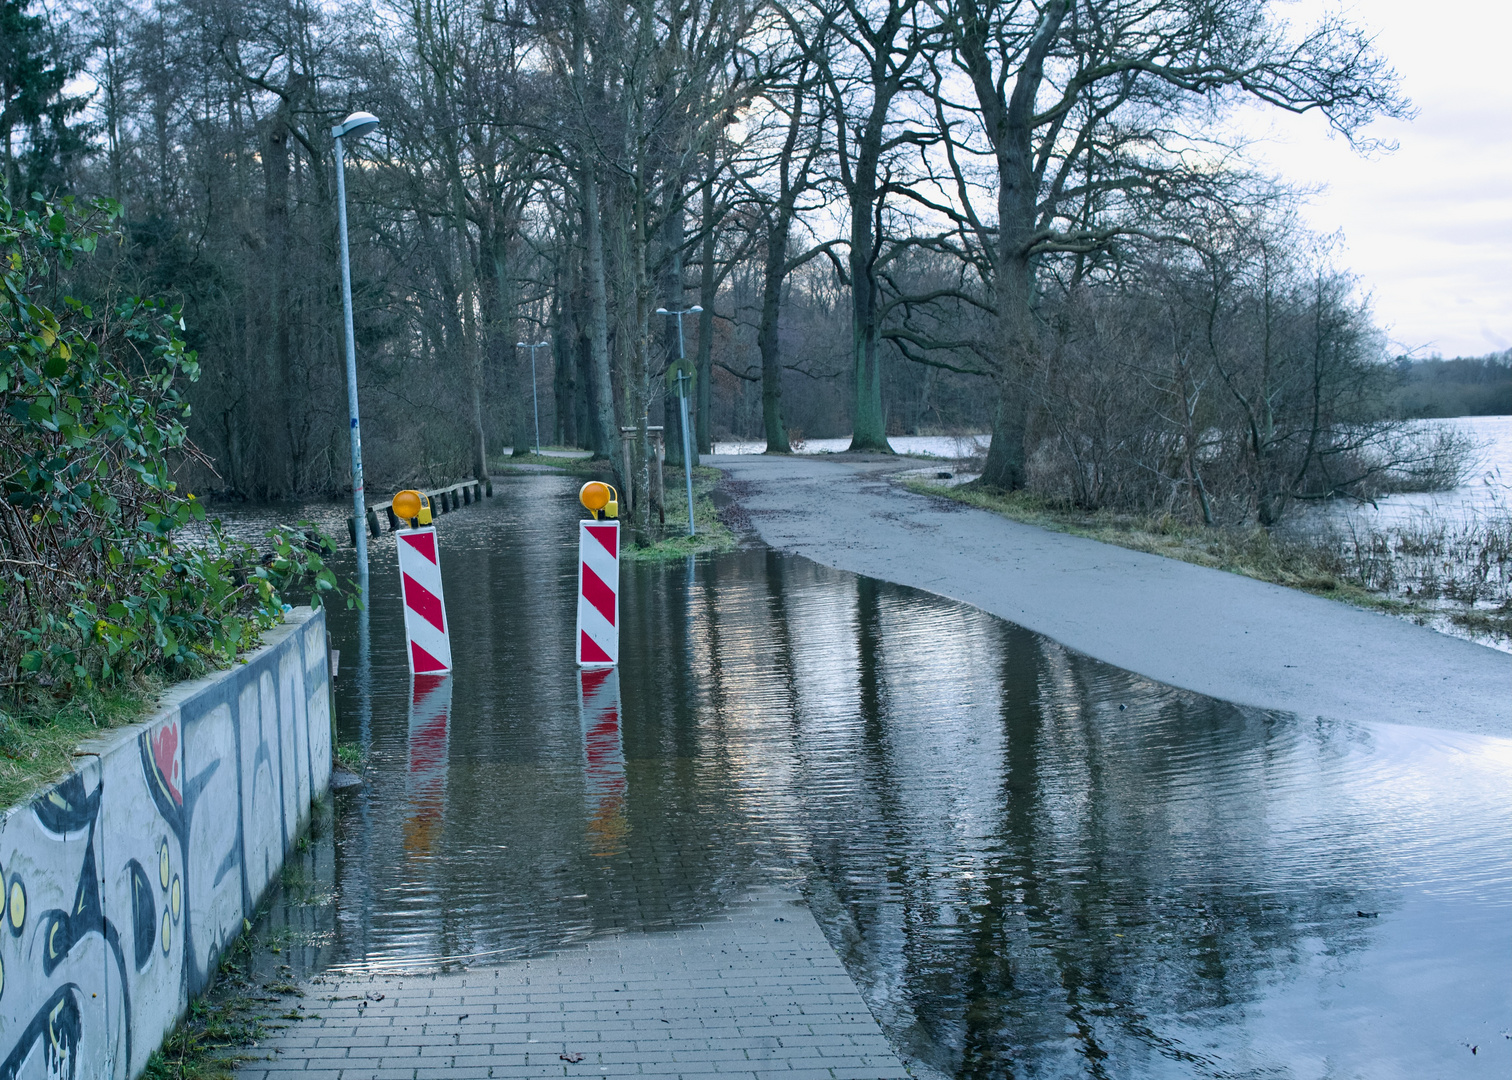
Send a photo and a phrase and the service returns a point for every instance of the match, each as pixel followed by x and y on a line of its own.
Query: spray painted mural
pixel 123 884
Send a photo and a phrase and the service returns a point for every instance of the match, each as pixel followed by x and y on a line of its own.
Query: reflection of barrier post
pixel 598 577
pixel 425 627
pixel 425 786
pixel 604 749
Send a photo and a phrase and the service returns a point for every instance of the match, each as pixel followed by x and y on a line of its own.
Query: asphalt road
pixel 1216 633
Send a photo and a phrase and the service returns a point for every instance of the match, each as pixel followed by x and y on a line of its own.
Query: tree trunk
pixel 708 287
pixel 767 340
pixel 607 430
pixel 1005 467
pixel 868 422
pixel 290 392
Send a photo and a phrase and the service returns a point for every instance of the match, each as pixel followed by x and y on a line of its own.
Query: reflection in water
pixel 1033 864
pixel 430 711
pixel 604 754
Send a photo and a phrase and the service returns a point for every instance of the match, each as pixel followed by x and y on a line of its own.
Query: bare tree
pixel 1069 126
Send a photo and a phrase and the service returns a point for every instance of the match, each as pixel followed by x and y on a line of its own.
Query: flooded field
pixel 1032 864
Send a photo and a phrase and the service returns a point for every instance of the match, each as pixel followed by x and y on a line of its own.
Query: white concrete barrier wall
pixel 125 882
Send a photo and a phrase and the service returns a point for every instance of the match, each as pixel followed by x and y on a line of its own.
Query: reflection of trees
pixel 980 820
pixel 1031 882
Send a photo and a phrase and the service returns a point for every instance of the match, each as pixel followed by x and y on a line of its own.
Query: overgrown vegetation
pixel 674 543
pixel 99 595
pixel 351 757
pixel 1430 572
pixel 1228 380
pixel 39 734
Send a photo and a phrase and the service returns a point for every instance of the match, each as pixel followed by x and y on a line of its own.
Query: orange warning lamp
pixel 599 499
pixel 410 505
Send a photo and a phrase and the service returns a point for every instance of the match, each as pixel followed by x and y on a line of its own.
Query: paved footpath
pixel 756 993
pixel 1220 634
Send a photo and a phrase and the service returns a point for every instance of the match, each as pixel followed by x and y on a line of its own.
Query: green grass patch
pixel 39 734
pixel 351 757
pixel 712 534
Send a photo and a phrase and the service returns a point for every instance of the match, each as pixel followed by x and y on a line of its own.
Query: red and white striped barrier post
pixel 425 628
pixel 598 578
pixel 604 751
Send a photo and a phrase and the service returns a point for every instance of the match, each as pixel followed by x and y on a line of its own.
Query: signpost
pixel 680 378
pixel 684 373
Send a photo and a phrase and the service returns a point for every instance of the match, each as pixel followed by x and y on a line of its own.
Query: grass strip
pixel 39 734
pixel 1253 552
pixel 712 534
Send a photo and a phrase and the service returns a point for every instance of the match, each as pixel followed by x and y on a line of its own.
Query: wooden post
pixel 466 495
pixel 629 493
pixel 372 520
pixel 658 457
pixel 393 518
pixel 352 529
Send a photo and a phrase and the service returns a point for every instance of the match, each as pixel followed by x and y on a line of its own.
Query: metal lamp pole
pixel 534 401
pixel 355 126
pixel 682 409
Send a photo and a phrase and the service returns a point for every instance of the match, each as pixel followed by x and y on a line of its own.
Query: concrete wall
pixel 124 882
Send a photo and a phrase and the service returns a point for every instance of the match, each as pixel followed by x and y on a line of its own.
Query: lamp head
pixel 355 126
pixel 521 345
pixel 662 311
pixel 695 309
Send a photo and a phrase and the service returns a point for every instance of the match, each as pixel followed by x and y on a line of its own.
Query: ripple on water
pixel 1033 864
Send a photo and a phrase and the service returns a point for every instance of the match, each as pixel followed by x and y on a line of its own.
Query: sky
pixel 1427 228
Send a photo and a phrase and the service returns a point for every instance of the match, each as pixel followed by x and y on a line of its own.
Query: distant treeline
pixel 1464 386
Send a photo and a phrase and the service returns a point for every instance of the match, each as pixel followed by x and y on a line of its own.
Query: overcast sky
pixel 1428 229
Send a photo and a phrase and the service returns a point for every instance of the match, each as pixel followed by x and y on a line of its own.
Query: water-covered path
pixel 753 993
pixel 1220 634
pixel 1027 862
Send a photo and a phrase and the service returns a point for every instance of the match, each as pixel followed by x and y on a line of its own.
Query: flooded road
pixel 1032 864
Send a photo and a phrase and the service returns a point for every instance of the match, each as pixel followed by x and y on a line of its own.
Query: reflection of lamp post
pixel 534 402
pixel 355 126
pixel 682 407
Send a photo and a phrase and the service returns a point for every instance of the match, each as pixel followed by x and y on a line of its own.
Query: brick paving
pixel 755 993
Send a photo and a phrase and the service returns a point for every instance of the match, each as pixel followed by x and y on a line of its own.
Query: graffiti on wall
pixel 123 884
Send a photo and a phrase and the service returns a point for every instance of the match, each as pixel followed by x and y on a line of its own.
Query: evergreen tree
pixel 39 137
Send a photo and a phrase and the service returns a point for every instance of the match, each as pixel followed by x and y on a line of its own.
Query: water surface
pixel 1033 864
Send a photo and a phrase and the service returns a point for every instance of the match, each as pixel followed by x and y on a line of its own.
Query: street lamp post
pixel 534 401
pixel 355 126
pixel 682 409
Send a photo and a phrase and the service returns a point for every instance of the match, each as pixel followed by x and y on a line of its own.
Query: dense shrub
pixel 94 584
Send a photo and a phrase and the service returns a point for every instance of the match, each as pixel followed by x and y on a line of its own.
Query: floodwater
pixel 1484 492
pixel 1033 864
pixel 942 446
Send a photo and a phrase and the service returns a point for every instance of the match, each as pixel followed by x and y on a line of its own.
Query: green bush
pixel 94 583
